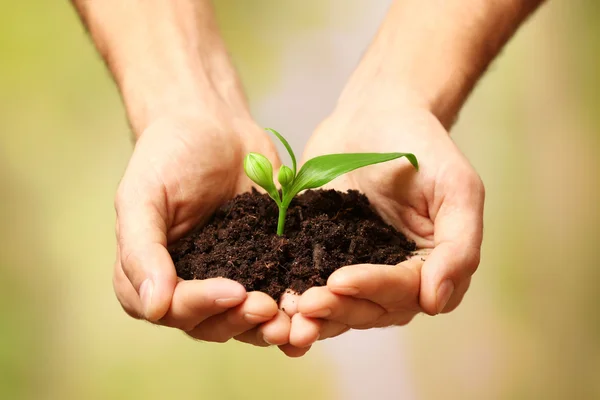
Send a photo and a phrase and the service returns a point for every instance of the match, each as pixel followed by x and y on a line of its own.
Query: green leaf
pixel 318 171
pixel 260 171
pixel 287 146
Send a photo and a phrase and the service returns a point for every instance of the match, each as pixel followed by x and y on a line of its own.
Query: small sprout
pixel 315 173
pixel 286 176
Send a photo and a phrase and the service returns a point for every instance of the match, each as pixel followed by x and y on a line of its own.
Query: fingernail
pixel 322 313
pixel 266 341
pixel 443 294
pixel 228 302
pixel 146 295
pixel 345 290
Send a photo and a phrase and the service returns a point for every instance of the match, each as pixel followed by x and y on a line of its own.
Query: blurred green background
pixel 529 328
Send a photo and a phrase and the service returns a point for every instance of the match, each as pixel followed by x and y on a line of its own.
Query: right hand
pixel 183 168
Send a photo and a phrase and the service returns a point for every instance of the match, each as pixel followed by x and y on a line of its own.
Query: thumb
pixel 458 234
pixel 142 241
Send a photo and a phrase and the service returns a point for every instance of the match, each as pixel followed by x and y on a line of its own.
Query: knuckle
pixel 128 259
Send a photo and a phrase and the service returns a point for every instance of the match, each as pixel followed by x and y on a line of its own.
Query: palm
pixel 405 199
pixel 195 171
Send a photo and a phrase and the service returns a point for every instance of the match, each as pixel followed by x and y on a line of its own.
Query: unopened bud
pixel 286 176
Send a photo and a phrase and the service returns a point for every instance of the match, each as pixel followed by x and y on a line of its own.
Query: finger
pixel 292 351
pixel 289 303
pixel 331 329
pixel 304 331
pixel 393 287
pixel 457 242
pixel 141 234
pixel 195 301
pixel 277 330
pixel 257 308
pixel 457 296
pixel 126 294
pixel 252 337
pixel 320 302
pixel 273 332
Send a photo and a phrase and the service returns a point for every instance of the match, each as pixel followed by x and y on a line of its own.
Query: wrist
pixel 196 96
pixel 441 94
pixel 367 89
pixel 181 81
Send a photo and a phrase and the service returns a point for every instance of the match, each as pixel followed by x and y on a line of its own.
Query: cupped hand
pixel 183 168
pixel 440 207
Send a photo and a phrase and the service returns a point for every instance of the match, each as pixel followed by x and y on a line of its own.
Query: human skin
pixel 404 96
pixel 192 126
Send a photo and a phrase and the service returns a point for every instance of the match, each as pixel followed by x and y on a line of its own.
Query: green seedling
pixel 315 173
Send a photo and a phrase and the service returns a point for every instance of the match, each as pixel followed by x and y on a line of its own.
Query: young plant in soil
pixel 324 229
pixel 315 173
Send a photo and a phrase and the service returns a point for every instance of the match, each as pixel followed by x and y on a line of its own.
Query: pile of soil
pixel 324 230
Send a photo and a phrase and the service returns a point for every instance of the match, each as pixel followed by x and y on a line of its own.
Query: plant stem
pixel 281 222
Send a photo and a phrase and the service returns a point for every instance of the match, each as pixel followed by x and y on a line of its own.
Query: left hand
pixel 440 207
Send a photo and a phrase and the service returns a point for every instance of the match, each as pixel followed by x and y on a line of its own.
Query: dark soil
pixel 324 230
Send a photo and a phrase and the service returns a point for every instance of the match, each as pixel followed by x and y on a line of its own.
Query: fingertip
pixel 261 305
pixel 345 281
pixel 304 331
pixel 156 297
pixel 152 274
pixel 224 292
pixel 428 295
pixel 340 277
pixel 277 330
pixel 443 294
pixel 311 302
pixel 294 352
pixel 233 288
pixel 443 269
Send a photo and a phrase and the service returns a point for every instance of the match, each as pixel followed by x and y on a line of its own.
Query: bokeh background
pixel 529 328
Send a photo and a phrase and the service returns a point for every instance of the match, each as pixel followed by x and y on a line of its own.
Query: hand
pixel 182 169
pixel 440 207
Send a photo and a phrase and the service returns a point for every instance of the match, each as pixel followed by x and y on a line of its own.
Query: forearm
pixel 433 52
pixel 166 56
